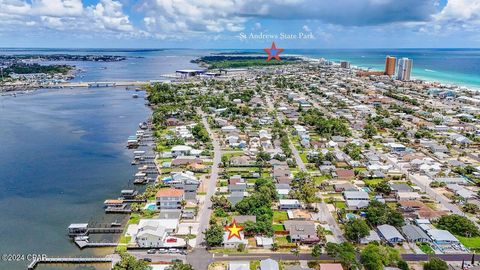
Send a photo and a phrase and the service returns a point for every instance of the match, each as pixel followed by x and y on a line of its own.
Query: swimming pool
pixel 150 206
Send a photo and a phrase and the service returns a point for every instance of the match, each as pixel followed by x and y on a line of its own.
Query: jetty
pixel 36 262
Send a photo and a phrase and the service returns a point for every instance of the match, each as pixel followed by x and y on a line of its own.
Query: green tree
pixel 214 235
pixel 356 229
pixel 470 208
pixel 375 257
pixel 459 225
pixel 225 160
pixel 403 265
pixel 378 213
pixel 371 258
pixel 180 266
pixel 129 262
pixel 435 264
pixel 317 250
pixel 345 253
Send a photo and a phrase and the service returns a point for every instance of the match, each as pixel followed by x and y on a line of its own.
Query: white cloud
pixel 57 8
pixel 457 15
pixel 106 17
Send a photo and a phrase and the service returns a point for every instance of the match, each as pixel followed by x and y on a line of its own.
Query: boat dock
pixel 83 229
pixel 36 262
pixel 85 244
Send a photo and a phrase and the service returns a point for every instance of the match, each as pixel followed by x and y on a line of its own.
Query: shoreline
pixel 453 85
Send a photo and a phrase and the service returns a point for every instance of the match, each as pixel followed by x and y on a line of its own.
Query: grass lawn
pixel 373 181
pixel 425 247
pixel 125 239
pixel 254 265
pixel 278 227
pixel 469 242
pixel 242 169
pixel 279 216
pixel 134 219
pixel 303 156
pixel 283 240
pixel 340 205
pixel 319 179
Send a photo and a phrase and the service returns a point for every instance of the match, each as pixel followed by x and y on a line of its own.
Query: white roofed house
pixel 442 237
pixel 234 241
pixel 157 233
pixel 229 129
pixel 356 199
pixel 390 234
pixel 181 150
pixel 269 264
pixel 289 204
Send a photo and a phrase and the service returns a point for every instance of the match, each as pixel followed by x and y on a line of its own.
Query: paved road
pixel 424 184
pixel 206 209
pixel 322 206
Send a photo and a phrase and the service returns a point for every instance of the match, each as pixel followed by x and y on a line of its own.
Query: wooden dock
pixel 104 230
pixel 85 244
pixel 35 263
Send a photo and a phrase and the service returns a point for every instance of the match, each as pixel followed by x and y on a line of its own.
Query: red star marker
pixel 234 230
pixel 273 52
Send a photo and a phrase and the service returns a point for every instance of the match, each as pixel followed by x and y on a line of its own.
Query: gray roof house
pixel 269 264
pixel 414 233
pixel 390 234
pixel 401 187
pixel 301 230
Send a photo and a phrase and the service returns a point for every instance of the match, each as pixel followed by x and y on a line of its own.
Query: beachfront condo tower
pixel 404 69
pixel 390 62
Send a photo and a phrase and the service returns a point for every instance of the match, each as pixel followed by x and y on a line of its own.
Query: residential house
pixel 303 231
pixel 169 198
pixel 415 234
pixel 355 200
pixel 390 234
pixel 285 204
pixel 234 242
pixel 269 264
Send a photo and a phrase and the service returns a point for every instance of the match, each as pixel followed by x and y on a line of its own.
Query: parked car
pixel 147 259
pixel 151 251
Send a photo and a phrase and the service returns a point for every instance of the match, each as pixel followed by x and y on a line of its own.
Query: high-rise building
pixel 345 64
pixel 390 62
pixel 404 69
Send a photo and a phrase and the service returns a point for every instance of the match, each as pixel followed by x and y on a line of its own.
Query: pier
pixel 85 244
pixel 35 263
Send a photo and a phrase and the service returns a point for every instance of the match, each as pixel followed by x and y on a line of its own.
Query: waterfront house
pixel 169 198
pixel 157 233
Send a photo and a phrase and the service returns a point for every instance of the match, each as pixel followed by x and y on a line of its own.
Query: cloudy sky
pixel 240 23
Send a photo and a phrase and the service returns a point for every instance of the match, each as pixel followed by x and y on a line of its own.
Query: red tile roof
pixel 169 192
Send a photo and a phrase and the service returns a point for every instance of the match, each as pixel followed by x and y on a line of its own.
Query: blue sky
pixel 240 23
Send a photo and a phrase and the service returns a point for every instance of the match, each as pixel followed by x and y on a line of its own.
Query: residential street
pixel 205 210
